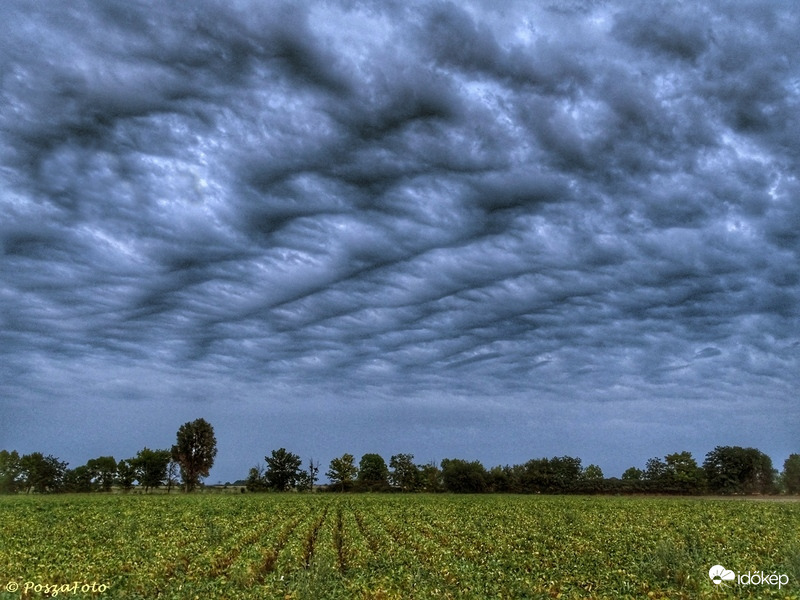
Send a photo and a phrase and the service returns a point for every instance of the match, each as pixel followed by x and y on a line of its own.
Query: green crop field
pixel 394 546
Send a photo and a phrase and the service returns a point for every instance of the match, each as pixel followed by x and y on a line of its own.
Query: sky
pixel 479 230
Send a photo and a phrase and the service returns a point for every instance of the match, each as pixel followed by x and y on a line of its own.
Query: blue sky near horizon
pixel 567 227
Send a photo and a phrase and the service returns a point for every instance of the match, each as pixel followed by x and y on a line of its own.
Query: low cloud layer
pixel 433 214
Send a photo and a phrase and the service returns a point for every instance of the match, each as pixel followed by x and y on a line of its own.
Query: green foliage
pixel 682 474
pixel 283 470
pixel 151 467
pixel 195 451
pixel 502 479
pixel 430 477
pixel 737 470
pixel 78 479
pixel 592 473
pixel 103 470
pixel 553 475
pixel 373 474
pixel 791 474
pixel 463 477
pixel 342 470
pixel 256 480
pixel 41 473
pixel 405 474
pixel 308 478
pixel 295 546
pixel 677 473
pixel 126 474
pixel 173 470
pixel 633 474
pixel 655 470
pixel 10 471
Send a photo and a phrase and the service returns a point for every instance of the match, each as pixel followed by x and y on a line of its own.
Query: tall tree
pixel 654 472
pixel 461 476
pixel 632 474
pixel 373 473
pixel 501 479
pixel 566 472
pixel 549 475
pixel 405 474
pixel 283 469
pixel 103 470
pixel 430 476
pixel 173 470
pixel 592 473
pixel 737 470
pixel 682 474
pixel 791 474
pixel 195 451
pixel 126 474
pixel 42 473
pixel 151 467
pixel 78 479
pixel 342 470
pixel 10 471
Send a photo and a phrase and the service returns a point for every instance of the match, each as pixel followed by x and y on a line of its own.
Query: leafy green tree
pixel 633 474
pixel 592 473
pixel 373 473
pixel 463 477
pixel 342 470
pixel 791 474
pixel 126 474
pixel 283 470
pixel 173 470
pixel 10 471
pixel 737 470
pixel 590 481
pixel 256 481
pixel 103 469
pixel 42 473
pixel 151 467
pixel 78 479
pixel 195 451
pixel 677 473
pixel 682 474
pixel 553 475
pixel 567 471
pixel 405 474
pixel 501 479
pixel 536 476
pixel 430 477
pixel 654 470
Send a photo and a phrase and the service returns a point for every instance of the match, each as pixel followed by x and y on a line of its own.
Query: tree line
pixel 190 457
pixel 725 470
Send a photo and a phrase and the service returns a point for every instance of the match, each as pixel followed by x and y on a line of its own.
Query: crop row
pixel 379 546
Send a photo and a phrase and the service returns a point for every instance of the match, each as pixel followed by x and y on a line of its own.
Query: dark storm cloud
pixel 667 30
pixel 581 199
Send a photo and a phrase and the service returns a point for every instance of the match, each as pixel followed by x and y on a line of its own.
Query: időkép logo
pixel 720 575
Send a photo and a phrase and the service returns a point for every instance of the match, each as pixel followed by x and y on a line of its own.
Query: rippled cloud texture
pixel 450 229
